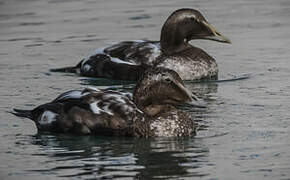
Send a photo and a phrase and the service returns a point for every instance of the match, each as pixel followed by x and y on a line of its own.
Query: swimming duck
pixel 149 112
pixel 129 59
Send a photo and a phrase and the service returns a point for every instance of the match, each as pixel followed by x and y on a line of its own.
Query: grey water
pixel 243 132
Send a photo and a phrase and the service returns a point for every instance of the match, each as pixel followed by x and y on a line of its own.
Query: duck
pixel 128 60
pixel 150 111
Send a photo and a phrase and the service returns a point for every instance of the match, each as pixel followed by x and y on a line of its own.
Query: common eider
pixel 129 59
pixel 149 112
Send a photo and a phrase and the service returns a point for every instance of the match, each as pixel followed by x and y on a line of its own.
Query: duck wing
pixel 88 111
pixel 126 60
pixel 109 102
pixel 123 61
pixel 135 52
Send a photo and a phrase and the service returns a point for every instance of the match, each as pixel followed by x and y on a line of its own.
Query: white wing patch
pixel 86 67
pixel 93 89
pixel 74 94
pixel 152 52
pixel 117 98
pixel 117 60
pixel 112 102
pixel 101 51
pixel 47 118
pixel 95 108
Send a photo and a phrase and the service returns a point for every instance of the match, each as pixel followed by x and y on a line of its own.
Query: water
pixel 244 131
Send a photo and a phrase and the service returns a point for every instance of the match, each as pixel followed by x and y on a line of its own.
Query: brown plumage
pixel 128 60
pixel 149 113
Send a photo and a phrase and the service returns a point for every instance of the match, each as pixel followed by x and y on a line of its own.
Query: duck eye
pixel 168 80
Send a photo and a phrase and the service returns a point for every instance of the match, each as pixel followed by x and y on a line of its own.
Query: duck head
pixel 184 25
pixel 159 87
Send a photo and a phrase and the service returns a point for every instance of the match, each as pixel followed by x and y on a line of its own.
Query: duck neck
pixel 154 110
pixel 171 39
pixel 145 105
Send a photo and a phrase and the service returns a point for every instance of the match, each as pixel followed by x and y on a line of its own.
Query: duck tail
pixel 22 113
pixel 69 69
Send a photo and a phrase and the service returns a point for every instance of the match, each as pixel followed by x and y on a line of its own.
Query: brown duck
pixel 129 59
pixel 149 112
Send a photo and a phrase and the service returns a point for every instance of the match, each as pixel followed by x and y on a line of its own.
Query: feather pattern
pixel 146 113
pixel 128 60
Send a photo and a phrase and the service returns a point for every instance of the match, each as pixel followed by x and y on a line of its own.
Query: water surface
pixel 244 131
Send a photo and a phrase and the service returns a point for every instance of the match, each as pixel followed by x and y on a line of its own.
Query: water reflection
pixel 92 157
pixel 203 90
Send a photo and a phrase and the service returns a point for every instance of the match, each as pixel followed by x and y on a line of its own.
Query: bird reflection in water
pixel 92 157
